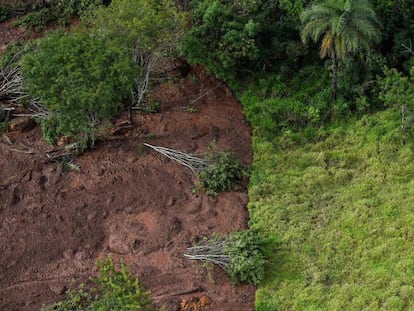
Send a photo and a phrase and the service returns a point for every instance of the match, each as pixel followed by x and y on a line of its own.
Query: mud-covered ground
pixel 125 200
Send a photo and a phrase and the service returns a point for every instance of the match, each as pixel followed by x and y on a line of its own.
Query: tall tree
pixel 344 27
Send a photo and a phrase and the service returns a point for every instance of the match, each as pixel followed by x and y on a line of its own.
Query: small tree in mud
pixel 224 172
pixel 240 254
pixel 114 290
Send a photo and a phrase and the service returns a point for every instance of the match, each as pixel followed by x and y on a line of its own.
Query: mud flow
pixel 125 200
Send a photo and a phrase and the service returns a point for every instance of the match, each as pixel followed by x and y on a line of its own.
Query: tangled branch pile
pixel 193 162
pixel 241 255
pixel 219 171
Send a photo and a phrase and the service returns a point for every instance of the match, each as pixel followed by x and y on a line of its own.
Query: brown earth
pixel 9 33
pixel 126 201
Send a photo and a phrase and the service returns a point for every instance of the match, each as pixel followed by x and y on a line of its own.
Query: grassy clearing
pixel 342 207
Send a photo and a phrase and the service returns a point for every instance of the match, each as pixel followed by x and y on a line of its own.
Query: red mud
pixel 126 201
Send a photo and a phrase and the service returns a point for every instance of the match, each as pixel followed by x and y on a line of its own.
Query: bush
pixel 241 255
pixel 235 38
pixel 117 290
pixel 14 52
pixel 9 10
pixel 80 79
pixel 55 10
pixel 150 29
pixel 142 25
pixel 5 12
pixel 223 174
pixel 397 91
pixel 246 250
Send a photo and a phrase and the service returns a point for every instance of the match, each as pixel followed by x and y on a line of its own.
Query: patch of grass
pixel 342 207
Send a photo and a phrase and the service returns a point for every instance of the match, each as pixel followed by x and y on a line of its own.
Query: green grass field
pixel 342 209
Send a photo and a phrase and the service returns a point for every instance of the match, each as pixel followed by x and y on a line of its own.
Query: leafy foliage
pixel 14 52
pixel 142 25
pixel 51 130
pixel 223 174
pixel 7 11
pixel 340 206
pixel 398 28
pixel 234 38
pixel 343 26
pixel 397 92
pixel 117 290
pixel 241 255
pixel 274 104
pixel 247 257
pixel 79 78
pixel 150 29
pixel 396 89
pixel 44 13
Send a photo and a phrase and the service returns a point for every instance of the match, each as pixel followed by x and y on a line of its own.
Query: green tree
pixel 235 39
pixel 344 27
pixel 150 29
pixel 80 79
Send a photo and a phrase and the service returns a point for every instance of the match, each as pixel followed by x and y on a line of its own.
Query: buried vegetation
pixel 80 79
pixel 113 289
pixel 116 180
pixel 241 255
pixel 218 171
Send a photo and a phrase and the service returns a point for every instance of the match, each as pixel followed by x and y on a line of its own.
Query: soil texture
pixel 127 201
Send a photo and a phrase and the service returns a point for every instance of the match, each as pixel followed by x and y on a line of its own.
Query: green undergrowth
pixel 114 289
pixel 341 203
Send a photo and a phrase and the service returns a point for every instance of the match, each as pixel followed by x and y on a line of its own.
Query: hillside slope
pixel 126 201
pixel 342 207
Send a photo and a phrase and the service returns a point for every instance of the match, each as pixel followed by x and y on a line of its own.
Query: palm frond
pixel 342 26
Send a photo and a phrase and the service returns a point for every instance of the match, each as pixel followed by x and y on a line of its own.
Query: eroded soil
pixel 126 201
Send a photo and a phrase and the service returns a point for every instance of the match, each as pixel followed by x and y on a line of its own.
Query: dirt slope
pixel 126 201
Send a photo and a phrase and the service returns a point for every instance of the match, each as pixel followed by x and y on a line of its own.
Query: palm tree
pixel 344 27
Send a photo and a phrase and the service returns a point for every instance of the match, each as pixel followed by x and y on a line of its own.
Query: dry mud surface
pixel 126 201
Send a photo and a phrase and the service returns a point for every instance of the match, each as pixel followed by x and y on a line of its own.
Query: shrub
pixel 224 172
pixel 55 10
pixel 4 12
pixel 9 10
pixel 235 38
pixel 80 79
pixel 116 290
pixel 241 255
pixel 396 89
pixel 150 29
